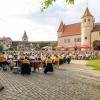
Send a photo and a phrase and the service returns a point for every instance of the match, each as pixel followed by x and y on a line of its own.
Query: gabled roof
pixel 87 13
pixel 72 29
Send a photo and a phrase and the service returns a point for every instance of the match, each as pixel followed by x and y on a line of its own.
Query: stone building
pixel 6 41
pixel 86 33
pixel 24 44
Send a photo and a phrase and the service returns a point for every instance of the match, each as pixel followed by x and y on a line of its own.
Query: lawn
pixel 95 64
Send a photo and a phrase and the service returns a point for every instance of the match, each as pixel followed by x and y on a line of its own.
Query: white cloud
pixel 19 15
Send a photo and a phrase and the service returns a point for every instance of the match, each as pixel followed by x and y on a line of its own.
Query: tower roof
pixel 87 13
pixel 25 35
pixel 60 29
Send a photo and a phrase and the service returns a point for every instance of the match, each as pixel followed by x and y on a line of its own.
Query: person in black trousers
pixel 25 69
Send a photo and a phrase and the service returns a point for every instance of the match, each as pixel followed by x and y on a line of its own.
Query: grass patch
pixel 95 64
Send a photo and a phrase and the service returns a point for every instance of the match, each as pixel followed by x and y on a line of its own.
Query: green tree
pixel 47 3
pixel 11 49
pixel 1 47
pixel 39 45
pixel 53 44
pixel 42 44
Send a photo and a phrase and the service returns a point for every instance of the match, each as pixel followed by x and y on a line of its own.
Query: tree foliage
pixel 47 3
pixel 1 47
pixel 11 49
pixel 53 44
pixel 40 44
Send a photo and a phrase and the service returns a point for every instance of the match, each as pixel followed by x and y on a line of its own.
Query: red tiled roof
pixel 87 13
pixel 75 29
pixel 97 27
pixel 97 23
pixel 72 29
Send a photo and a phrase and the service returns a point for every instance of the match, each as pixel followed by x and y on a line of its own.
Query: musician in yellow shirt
pixel 25 61
pixel 2 60
pixel 22 57
pixel 25 68
pixel 57 61
pixel 49 66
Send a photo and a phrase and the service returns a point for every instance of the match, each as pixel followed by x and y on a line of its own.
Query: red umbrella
pixel 60 46
pixel 85 46
pixel 71 46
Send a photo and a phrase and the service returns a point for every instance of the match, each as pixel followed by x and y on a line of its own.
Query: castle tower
pixel 25 37
pixel 87 24
pixel 60 30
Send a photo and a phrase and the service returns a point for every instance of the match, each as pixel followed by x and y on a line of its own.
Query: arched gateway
pixel 96 45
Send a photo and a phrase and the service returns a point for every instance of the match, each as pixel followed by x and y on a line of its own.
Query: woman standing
pixel 49 66
pixel 25 69
pixel 57 61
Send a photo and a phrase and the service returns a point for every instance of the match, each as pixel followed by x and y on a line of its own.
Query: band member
pixel 25 69
pixel 68 59
pixel 36 64
pixel 3 61
pixel 0 60
pixel 49 66
pixel 57 61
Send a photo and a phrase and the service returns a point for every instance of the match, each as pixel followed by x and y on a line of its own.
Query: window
pixel 88 20
pixel 99 33
pixel 85 38
pixel 66 40
pixel 77 40
pixel 84 20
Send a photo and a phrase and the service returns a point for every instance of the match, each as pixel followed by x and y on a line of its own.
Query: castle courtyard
pixel 72 81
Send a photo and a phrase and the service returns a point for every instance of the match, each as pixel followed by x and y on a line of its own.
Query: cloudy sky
pixel 19 15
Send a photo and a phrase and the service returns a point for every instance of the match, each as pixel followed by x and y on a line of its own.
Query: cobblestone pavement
pixel 69 82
